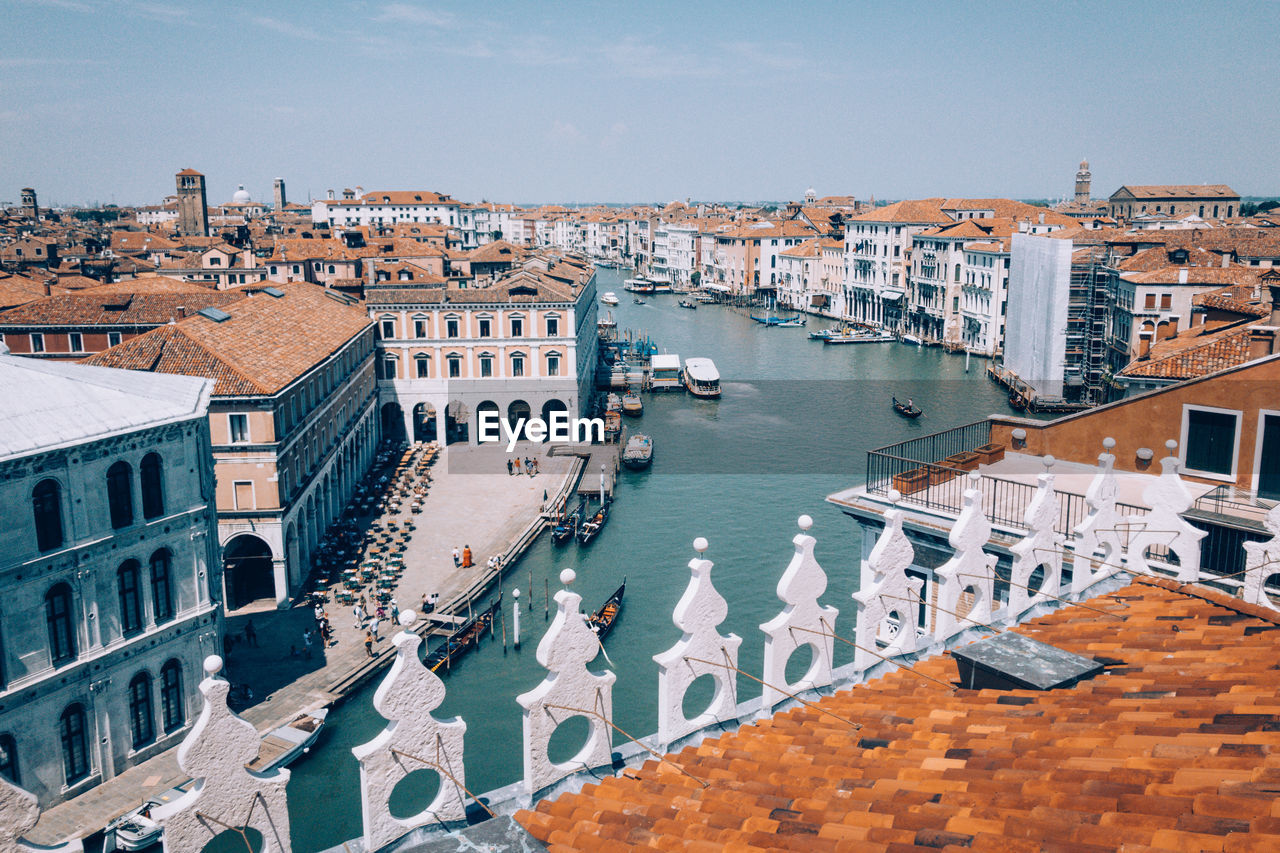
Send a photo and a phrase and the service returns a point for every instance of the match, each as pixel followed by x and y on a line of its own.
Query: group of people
pixel 462 558
pixel 530 466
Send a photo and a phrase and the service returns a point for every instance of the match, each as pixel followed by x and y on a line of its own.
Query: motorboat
pixel 638 452
pixel 770 320
pixel 685 303
pixel 284 745
pixel 793 323
pixel 135 830
pixel 606 322
pixel 701 377
pixel 858 336
pixel 907 409
pixel 632 405
pixel 638 285
pixel 638 301
pixel 609 298
pixel 664 372
pixel 704 298
pixel 612 403
pixel 912 339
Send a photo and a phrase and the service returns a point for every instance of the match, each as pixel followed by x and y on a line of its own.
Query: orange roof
pixel 191 172
pixel 1178 191
pixel 1187 356
pixel 1175 747
pixel 247 354
pixel 924 211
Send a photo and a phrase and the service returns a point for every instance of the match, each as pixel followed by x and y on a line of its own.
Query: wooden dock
pixel 594 456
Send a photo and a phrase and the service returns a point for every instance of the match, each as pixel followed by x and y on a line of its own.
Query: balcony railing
pixel 922 472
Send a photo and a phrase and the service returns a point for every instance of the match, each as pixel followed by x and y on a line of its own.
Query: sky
pixel 102 101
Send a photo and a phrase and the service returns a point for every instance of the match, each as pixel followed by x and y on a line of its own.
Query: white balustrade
pixel 19 814
pixel 700 651
pixel 227 797
pixel 802 622
pixel 1261 561
pixel 1098 542
pixel 569 690
pixel 888 598
pixel 413 740
pixel 966 582
pixel 1040 549
pixel 1164 526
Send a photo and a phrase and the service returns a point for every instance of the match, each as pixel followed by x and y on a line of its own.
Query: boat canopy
pixel 711 285
pixel 665 361
pixel 701 370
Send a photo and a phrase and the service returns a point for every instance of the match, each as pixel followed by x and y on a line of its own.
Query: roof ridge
pixel 1212 596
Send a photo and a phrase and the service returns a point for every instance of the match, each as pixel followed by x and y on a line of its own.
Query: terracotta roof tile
pixel 1176 748
pixel 246 354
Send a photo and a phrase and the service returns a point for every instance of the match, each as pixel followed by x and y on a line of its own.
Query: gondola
pixel 1017 402
pixel 907 410
pixel 567 527
pixel 685 303
pixel 467 635
pixel 602 620
pixel 590 527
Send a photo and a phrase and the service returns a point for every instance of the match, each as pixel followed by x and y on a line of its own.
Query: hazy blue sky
pixel 106 99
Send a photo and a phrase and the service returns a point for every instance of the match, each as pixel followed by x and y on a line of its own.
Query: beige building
pixel 292 421
pixel 524 345
pixel 1207 201
pixel 109 578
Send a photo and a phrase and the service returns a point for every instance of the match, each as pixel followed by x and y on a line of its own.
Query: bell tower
pixel 1083 179
pixel 193 209
pixel 29 202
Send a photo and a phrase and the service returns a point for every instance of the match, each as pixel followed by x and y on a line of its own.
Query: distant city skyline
pixel 105 101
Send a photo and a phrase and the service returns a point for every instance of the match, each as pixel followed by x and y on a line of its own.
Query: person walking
pixel 395 612
pixel 426 603
pixel 466 556
pixel 509 468
pixel 319 611
pixel 250 633
pixel 517 464
pixel 358 612
pixel 373 629
pixel 306 644
pixel 368 643
pixel 457 561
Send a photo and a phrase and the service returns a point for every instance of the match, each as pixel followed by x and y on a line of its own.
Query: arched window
pixel 120 494
pixel 130 598
pixel 957 272
pixel 46 505
pixel 140 712
pixel 57 617
pixel 75 744
pixel 9 759
pixel 162 585
pixel 152 474
pixel 171 704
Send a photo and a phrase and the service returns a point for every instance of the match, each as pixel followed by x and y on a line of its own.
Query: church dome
pixel 241 196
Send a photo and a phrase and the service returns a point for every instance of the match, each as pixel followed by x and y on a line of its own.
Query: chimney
pixel 1262 341
pixel 1182 276
pixel 1144 344
pixel 48 287
pixel 182 312
pixel 1042 219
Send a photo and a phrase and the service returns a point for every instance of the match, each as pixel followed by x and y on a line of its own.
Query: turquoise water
pixel 793 426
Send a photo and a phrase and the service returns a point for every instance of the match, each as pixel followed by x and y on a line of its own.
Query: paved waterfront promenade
pixel 489 512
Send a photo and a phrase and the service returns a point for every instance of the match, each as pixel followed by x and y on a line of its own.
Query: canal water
pixel 794 425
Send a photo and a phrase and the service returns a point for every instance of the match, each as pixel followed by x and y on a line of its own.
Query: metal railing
pixel 936 447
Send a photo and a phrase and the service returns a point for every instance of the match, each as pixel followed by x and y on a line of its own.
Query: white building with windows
pixel 524 345
pixel 109 575
pixel 389 208
pixel 877 247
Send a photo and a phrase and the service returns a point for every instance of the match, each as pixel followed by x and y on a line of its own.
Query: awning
pixel 891 294
pixel 820 300
pixel 722 288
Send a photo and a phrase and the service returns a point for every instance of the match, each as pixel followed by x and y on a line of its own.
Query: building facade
pixel 1207 201
pixel 110 594
pixel 525 345
pixel 292 421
